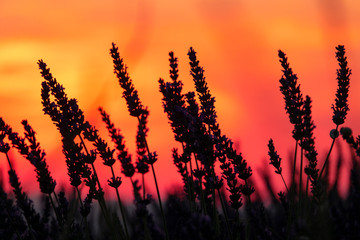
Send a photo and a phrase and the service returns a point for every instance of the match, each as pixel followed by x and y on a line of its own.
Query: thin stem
pixel 144 218
pixel 79 196
pixel 247 231
pixel 190 185
pixel 17 234
pixel 300 179
pixel 248 196
pixel 147 232
pixel 121 206
pixel 92 164
pixel 328 155
pixel 222 204
pixel 292 195
pixel 156 184
pixel 161 208
pixel 306 197
pixel 84 218
pixel 55 209
pixel 101 199
pixel 56 198
pixel 282 177
pixel 190 190
pixel 191 177
pixel 30 229
pixel 202 197
pixel 143 185
pixel 307 187
pixel 225 214
pixel 236 221
pixel 249 226
pixel 294 167
pixel 8 159
pixel 215 215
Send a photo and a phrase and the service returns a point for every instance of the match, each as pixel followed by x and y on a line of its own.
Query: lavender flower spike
pixel 130 93
pixel 208 112
pixel 292 96
pixel 275 159
pixel 308 141
pixel 341 106
pixel 36 156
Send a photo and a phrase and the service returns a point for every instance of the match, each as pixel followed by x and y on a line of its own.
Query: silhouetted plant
pixel 194 212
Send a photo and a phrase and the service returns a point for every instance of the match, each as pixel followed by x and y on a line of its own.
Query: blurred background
pixel 237 43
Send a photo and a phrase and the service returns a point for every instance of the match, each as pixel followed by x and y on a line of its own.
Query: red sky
pixel 237 43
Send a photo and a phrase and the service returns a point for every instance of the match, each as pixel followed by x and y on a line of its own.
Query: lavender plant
pixel 212 205
pixel 341 106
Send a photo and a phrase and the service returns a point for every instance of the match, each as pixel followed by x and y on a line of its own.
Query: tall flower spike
pixel 69 119
pixel 174 103
pixel 130 93
pixel 125 159
pixel 292 96
pixel 141 165
pixel 275 159
pixel 4 128
pixel 76 167
pixel 206 100
pixel 136 109
pixel 64 112
pixel 36 156
pixel 91 133
pixel 341 106
pixel 174 72
pixel 308 141
pixel 141 134
pixel 235 191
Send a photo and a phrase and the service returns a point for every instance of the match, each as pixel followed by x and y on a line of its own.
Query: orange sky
pixel 236 41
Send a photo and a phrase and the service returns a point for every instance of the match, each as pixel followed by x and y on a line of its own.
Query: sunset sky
pixel 237 43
